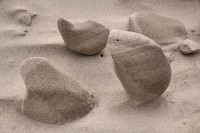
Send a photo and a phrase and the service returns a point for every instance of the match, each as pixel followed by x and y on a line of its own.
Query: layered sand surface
pixel 177 110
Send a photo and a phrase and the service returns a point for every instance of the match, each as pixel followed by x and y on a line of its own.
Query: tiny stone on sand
pixel 188 47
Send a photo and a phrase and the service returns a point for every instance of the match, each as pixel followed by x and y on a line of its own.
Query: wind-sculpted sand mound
pixel 161 29
pixel 22 15
pixel 140 65
pixel 83 36
pixel 52 96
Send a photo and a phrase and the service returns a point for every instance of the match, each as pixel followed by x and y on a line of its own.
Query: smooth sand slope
pixel 28 28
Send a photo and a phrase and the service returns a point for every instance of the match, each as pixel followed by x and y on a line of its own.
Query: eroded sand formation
pixel 22 15
pixel 52 96
pixel 140 65
pixel 83 36
pixel 161 29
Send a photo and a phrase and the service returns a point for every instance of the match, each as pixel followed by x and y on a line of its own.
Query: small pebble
pixel 188 47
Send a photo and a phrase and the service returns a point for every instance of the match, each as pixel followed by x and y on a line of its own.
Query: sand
pixel 176 111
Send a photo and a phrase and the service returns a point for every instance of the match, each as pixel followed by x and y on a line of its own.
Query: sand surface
pixel 176 111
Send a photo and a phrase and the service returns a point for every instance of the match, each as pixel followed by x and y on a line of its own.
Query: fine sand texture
pixel 28 28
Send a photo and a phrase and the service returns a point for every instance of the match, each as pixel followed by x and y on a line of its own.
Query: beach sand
pixel 176 111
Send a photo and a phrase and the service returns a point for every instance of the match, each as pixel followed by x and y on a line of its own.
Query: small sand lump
pixel 83 36
pixel 140 65
pixel 23 16
pixel 161 29
pixel 52 96
pixel 188 47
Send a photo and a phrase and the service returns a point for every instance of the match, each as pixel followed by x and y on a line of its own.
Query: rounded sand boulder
pixel 161 29
pixel 52 96
pixel 83 36
pixel 140 65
